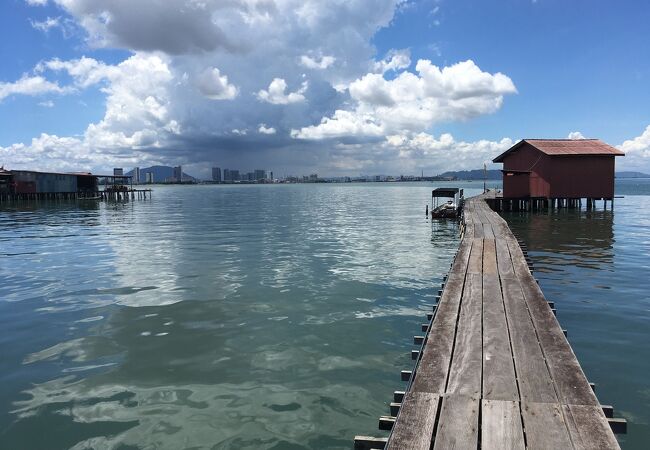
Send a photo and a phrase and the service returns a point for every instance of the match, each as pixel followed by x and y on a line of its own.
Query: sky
pixel 337 87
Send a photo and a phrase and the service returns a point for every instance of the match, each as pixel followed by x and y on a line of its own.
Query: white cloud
pixel 36 2
pixel 395 60
pixel 266 130
pixel 414 102
pixel 85 72
pixel 465 155
pixel 637 153
pixel 342 123
pixel 313 63
pixel 575 135
pixel 410 153
pixel 137 116
pixel 47 24
pixel 276 95
pixel 30 85
pixel 46 104
pixel 215 86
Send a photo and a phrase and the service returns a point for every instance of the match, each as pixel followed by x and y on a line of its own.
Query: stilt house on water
pixel 559 169
pixel 17 182
pixel 36 185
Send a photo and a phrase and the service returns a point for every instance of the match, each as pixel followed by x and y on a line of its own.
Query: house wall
pixel 581 176
pixel 516 185
pixel 36 182
pixel 526 158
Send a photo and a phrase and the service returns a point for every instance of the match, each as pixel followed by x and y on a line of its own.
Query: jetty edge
pixel 494 369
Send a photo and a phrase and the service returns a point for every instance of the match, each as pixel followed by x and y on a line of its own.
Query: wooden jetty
pixel 494 369
pixel 124 195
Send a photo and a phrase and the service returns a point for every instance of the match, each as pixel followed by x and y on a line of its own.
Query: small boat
pixel 449 209
pixel 446 210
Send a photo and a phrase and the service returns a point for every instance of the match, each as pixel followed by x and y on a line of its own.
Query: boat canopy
pixel 446 192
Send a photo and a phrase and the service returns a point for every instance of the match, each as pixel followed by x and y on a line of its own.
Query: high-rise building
pixel 271 175
pixel 227 177
pixel 216 174
pixel 178 174
pixel 260 174
pixel 149 177
pixel 118 171
pixel 136 175
pixel 234 175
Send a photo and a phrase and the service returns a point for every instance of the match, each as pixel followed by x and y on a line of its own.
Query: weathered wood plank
pixel 489 257
pixel 478 230
pixel 588 428
pixel 498 368
pixel 533 377
pixel 504 263
pixel 458 423
pixel 501 426
pixel 415 424
pixel 487 230
pixel 544 426
pixel 570 382
pixel 475 264
pixel 465 372
pixel 433 368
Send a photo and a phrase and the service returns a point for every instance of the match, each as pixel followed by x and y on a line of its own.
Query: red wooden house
pixel 559 168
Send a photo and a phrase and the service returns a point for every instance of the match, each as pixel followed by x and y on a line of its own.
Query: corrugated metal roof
pixel 565 147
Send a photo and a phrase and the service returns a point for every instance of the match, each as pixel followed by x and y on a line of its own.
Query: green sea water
pixel 226 317
pixel 273 316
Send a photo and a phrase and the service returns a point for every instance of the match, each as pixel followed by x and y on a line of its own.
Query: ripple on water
pixel 212 316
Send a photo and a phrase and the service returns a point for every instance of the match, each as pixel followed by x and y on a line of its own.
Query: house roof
pixel 565 147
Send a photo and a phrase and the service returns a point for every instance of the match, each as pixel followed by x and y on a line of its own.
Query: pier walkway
pixel 495 370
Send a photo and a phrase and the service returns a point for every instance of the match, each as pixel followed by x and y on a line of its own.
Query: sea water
pixel 275 316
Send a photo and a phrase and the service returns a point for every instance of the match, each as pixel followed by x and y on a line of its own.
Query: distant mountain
pixel 632 175
pixel 472 174
pixel 160 174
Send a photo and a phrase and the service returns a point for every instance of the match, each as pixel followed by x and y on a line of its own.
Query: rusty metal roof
pixel 565 147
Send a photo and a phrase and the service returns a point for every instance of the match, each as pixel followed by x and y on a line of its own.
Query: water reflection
pixel 566 238
pixel 213 317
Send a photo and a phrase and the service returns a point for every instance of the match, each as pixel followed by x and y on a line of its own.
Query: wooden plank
pixel 489 257
pixel 533 376
pixel 501 426
pixel 416 422
pixel 487 230
pixel 545 427
pixel 465 371
pixel 458 423
pixel 570 382
pixel 478 229
pixel 588 428
pixel 498 367
pixel 475 264
pixel 433 368
pixel 504 263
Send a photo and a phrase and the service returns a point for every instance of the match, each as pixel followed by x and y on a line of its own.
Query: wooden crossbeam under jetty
pixel 494 369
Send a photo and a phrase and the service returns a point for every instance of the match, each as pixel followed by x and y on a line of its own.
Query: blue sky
pixel 341 87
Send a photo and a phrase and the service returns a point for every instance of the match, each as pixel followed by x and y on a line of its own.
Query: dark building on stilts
pixel 558 171
pixel 35 184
